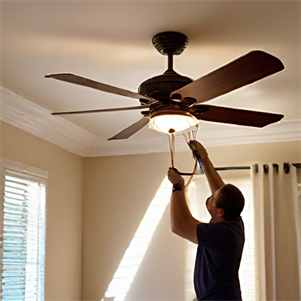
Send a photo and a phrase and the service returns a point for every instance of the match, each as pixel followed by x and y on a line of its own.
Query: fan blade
pixel 234 116
pixel 245 70
pixel 131 130
pixel 101 110
pixel 78 80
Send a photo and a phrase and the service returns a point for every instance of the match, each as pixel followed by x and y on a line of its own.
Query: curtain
pixel 277 231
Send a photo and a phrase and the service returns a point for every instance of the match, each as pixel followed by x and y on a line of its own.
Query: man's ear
pixel 220 212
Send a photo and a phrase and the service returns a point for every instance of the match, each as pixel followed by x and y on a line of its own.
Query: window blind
pixel 23 236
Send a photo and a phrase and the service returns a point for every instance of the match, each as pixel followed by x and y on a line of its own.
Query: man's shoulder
pixel 212 227
pixel 220 227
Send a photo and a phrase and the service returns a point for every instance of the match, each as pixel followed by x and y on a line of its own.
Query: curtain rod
pixel 220 169
pixel 297 165
pixel 232 168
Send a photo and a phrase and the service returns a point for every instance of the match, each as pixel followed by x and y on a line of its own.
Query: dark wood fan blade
pixel 234 116
pixel 78 80
pixel 245 70
pixel 102 110
pixel 131 130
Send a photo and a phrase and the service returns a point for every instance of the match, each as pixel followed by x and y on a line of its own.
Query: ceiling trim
pixel 39 122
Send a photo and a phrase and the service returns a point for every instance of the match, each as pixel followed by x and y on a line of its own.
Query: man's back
pixel 218 259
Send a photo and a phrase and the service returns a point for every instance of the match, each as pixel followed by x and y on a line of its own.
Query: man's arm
pixel 181 220
pixel 213 178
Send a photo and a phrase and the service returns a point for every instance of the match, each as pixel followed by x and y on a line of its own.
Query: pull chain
pixel 171 137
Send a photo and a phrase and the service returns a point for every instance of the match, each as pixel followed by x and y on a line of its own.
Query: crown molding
pixel 27 116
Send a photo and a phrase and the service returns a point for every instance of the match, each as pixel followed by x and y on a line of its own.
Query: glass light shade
pixel 178 122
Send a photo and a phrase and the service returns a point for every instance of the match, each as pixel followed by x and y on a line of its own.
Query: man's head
pixel 226 203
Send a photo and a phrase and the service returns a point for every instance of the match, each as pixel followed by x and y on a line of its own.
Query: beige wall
pixel 117 192
pixel 64 208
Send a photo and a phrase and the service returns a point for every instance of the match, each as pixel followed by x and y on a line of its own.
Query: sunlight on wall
pixel 134 254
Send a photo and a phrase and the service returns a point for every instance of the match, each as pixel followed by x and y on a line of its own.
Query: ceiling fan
pixel 172 94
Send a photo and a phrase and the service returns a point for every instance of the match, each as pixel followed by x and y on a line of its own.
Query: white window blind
pixel 22 221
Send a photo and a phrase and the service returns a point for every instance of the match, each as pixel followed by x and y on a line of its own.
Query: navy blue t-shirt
pixel 219 252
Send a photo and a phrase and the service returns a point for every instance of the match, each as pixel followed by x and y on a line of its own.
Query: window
pixel 22 236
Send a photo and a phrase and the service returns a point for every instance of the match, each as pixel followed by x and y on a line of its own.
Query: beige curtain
pixel 277 231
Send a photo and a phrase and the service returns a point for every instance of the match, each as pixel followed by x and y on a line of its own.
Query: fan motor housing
pixel 160 87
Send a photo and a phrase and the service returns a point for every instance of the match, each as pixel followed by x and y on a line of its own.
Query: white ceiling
pixel 110 42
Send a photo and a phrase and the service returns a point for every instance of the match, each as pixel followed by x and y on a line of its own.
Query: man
pixel 220 242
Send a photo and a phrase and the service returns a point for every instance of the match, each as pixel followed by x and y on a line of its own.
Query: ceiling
pixel 110 42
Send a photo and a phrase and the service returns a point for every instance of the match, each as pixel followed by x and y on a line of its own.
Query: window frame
pixel 31 174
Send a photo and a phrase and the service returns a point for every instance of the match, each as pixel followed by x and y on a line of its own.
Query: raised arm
pixel 213 178
pixel 181 220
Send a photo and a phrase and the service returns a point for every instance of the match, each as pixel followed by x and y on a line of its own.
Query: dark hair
pixel 231 200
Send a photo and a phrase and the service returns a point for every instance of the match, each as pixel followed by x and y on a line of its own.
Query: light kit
pixel 179 121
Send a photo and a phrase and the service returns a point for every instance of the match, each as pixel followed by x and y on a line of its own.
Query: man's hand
pixel 174 177
pixel 214 179
pixel 200 149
